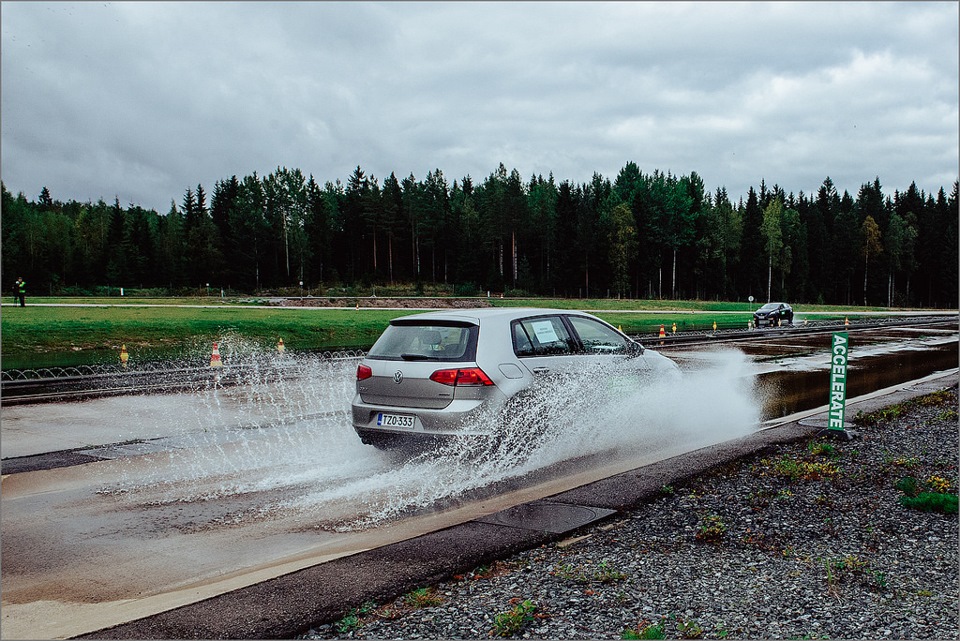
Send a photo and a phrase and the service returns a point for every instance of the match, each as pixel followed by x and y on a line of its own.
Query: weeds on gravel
pixel 711 529
pixel 352 620
pixel 507 624
pixel 414 600
pixel 689 629
pixel 851 566
pixel 603 574
pixel 822 448
pixel 936 399
pixel 645 630
pixel 794 470
pixel 900 461
pixel 422 598
pixel 497 568
pixel 930 496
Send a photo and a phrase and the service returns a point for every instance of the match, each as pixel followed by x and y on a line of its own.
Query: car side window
pixel 597 337
pixel 541 336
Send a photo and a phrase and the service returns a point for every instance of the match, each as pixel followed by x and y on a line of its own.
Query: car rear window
pixel 426 341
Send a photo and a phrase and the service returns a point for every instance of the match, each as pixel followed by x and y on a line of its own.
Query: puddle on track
pixel 276 471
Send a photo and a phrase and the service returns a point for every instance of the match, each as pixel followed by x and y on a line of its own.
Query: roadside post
pixel 837 399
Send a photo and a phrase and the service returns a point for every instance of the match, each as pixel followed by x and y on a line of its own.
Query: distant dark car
pixel 773 314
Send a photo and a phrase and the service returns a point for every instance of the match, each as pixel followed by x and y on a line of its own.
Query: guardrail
pixel 109 369
pixel 54 384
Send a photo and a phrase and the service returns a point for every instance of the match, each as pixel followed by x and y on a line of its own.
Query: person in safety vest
pixel 22 292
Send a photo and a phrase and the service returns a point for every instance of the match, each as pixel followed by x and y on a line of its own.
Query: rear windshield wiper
pixel 414 357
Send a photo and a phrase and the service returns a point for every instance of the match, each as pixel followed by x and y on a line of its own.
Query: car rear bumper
pixel 460 417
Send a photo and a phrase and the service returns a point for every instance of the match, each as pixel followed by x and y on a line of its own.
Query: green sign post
pixel 839 354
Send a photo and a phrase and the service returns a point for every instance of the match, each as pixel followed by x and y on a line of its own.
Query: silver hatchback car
pixel 434 374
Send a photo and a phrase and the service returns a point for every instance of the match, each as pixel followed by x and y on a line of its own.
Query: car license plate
pixel 395 420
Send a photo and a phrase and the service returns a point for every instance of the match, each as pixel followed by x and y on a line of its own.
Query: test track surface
pixel 304 583
pixel 289 605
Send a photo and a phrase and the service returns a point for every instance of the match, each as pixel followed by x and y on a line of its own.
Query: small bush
pixel 908 485
pixel 931 496
pixel 931 502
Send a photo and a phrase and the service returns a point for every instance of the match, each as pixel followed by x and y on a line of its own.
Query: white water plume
pixel 288 446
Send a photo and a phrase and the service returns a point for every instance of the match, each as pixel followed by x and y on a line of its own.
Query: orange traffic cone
pixel 215 357
pixel 846 322
pixel 280 346
pixel 662 332
pixel 123 356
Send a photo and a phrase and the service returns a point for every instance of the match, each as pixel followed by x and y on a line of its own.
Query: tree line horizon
pixel 640 235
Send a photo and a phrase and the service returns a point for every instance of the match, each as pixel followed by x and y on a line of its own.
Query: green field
pixel 91 331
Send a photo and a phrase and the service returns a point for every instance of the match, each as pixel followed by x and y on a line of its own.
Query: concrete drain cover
pixel 545 516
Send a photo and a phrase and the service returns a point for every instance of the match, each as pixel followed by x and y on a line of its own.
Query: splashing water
pixel 285 445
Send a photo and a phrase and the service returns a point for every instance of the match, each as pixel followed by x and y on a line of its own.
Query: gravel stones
pixel 807 541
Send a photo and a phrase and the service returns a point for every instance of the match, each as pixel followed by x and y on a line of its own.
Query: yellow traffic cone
pixel 123 356
pixel 280 346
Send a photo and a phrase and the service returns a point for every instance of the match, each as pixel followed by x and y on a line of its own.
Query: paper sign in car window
pixel 545 332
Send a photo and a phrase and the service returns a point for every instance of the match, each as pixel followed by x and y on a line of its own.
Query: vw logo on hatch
pixel 398 377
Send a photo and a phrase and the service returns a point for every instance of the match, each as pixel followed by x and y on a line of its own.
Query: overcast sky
pixel 141 100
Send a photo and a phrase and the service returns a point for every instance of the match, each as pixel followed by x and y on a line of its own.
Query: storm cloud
pixel 141 100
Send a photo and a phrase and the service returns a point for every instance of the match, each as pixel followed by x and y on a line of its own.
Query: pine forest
pixel 640 235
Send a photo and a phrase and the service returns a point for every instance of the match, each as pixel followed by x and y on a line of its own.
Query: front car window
pixel 541 336
pixel 598 338
pixel 426 341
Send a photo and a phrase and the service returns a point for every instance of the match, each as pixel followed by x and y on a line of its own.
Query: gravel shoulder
pixel 807 539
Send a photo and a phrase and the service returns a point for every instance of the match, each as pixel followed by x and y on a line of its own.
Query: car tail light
pixel 454 377
pixel 363 372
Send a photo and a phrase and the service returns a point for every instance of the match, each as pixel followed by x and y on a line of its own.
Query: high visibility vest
pixel 23 287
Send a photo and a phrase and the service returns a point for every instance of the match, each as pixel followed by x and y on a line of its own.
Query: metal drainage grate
pixel 545 516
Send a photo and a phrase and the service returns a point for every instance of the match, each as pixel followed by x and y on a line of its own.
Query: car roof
pixel 479 314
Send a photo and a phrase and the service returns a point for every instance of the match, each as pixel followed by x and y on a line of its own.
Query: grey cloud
pixel 153 97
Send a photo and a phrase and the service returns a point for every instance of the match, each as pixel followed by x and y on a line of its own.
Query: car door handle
pixel 541 370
